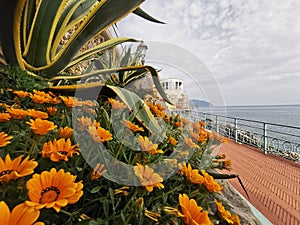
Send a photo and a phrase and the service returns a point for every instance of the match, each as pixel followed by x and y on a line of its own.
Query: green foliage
pixel 14 77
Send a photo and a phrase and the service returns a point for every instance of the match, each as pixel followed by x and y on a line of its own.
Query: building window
pixel 167 85
pixel 176 85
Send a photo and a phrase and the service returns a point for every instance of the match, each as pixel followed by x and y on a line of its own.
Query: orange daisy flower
pixel 4 139
pixel 189 142
pixel 37 114
pixel 20 215
pixel 59 150
pixel 200 136
pixel 96 124
pixel 147 177
pixel 89 103
pixel 51 111
pixel 123 191
pixel 160 107
pixel 89 111
pixel 202 124
pixel 215 136
pixel 173 141
pixel 71 102
pixel 227 164
pixel 83 123
pixel 192 214
pixel 148 146
pixel 4 106
pixel 53 189
pixel 41 127
pixel 185 121
pixel 178 124
pixel 99 134
pixel 236 220
pixel 140 202
pixel 17 114
pixel 116 104
pixel 156 110
pixel 98 171
pixel 14 169
pixel 152 215
pixel 55 101
pixel 222 156
pixel 210 183
pixel 4 117
pixel 65 132
pixel 191 174
pixel 132 126
pixel 21 94
pixel 40 97
pixel 226 215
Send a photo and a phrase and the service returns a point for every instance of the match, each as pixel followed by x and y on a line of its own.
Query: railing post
pixel 235 130
pixel 265 139
pixel 217 125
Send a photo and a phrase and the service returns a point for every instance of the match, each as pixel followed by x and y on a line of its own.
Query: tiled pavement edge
pixel 272 182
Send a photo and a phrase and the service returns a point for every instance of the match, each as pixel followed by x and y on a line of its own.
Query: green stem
pixel 132 197
pixel 119 150
pixel 95 200
pixel 67 213
pixel 62 120
pixel 11 128
pixel 128 219
pixel 169 192
pixel 32 147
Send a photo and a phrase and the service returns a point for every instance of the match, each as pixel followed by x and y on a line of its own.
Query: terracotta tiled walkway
pixel 273 183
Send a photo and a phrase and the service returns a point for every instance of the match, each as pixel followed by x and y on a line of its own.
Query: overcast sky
pixel 229 52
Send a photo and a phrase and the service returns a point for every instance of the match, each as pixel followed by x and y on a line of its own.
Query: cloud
pixel 246 45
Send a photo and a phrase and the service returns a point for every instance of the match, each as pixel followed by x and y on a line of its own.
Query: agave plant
pixel 31 33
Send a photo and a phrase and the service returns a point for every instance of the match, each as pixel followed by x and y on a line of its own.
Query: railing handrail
pixel 282 144
pixel 249 120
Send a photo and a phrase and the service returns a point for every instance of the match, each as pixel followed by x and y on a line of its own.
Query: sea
pixel 283 121
pixel 288 115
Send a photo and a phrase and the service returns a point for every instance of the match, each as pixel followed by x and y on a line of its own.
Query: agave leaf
pixel 2 60
pixel 83 9
pixel 124 62
pixel 100 18
pixel 142 69
pixel 29 13
pixel 155 78
pixel 139 108
pixel 216 175
pixel 37 53
pixel 146 16
pixel 134 76
pixel 85 91
pixel 7 10
pixel 100 47
pixel 72 15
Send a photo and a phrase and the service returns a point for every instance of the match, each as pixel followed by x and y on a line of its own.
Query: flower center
pixel 50 194
pixel 63 152
pixel 5 172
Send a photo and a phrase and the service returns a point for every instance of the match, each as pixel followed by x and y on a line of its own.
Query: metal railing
pixel 272 138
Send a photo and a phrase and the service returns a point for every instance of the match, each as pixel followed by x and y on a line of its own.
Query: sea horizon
pixel 253 105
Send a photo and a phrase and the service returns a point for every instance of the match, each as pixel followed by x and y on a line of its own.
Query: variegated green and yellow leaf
pixel 138 108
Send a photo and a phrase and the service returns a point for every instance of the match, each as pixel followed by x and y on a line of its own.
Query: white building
pixel 176 93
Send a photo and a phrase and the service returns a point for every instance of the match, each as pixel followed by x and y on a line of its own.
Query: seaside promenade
pixel 272 182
